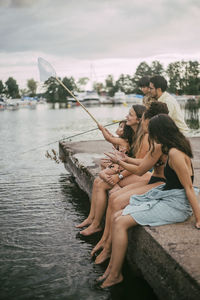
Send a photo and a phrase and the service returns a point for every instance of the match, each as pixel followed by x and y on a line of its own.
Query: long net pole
pixel 76 99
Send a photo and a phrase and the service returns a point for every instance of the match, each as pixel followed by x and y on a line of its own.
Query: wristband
pixel 120 176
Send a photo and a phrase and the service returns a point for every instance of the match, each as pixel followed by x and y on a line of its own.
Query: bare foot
pixel 90 230
pixel 105 254
pixel 98 247
pixel 86 222
pixel 102 278
pixel 111 280
pixel 105 274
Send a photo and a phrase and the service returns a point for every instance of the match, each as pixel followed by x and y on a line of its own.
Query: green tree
pixel 32 87
pixel 110 85
pixel 174 77
pixel 52 87
pixel 12 89
pixel 63 94
pixel 2 88
pixel 55 92
pixel 192 79
pixel 125 84
pixel 142 70
pixel 81 83
pixel 157 68
pixel 184 77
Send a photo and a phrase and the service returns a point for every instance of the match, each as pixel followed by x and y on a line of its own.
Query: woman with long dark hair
pixel 169 203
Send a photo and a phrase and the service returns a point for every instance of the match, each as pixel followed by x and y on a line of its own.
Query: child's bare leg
pixel 120 197
pixel 120 243
pixel 105 235
pixel 90 217
pixel 100 207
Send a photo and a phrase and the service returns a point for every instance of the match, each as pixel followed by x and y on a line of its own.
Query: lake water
pixel 41 257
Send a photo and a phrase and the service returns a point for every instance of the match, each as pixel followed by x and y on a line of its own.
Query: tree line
pixel 183 78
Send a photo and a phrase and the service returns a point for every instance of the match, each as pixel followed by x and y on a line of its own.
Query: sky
pixel 94 38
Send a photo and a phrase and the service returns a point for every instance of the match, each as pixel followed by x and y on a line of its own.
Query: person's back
pixel 158 86
pixel 174 111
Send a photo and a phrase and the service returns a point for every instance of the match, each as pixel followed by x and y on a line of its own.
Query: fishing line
pixel 69 137
pixel 65 138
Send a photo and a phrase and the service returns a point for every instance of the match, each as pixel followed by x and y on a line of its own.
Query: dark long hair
pixel 163 130
pixel 127 132
pixel 139 134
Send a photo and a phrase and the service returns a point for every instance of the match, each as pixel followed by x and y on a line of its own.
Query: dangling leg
pixel 100 207
pixel 105 235
pixel 119 246
pixel 90 217
pixel 107 271
pixel 117 200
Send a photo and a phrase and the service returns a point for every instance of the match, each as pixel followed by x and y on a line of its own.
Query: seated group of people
pixel 146 180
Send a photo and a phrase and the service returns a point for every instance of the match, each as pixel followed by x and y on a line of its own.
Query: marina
pixel 87 98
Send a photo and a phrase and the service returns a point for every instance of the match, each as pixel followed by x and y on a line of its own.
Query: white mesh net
pixel 45 69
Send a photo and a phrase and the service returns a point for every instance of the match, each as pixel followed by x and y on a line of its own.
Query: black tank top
pixel 172 181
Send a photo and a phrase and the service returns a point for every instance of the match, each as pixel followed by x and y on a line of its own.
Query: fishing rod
pixel 66 138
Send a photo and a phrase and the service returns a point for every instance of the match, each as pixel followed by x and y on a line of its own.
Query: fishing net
pixel 45 69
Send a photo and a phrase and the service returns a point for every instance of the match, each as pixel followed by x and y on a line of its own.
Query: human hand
pixel 100 126
pixel 120 154
pixel 112 157
pixel 104 176
pixel 105 162
pixel 113 179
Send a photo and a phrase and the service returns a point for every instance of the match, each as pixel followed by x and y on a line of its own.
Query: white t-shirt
pixel 174 111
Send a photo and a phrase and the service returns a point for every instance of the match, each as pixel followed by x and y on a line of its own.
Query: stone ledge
pixel 168 256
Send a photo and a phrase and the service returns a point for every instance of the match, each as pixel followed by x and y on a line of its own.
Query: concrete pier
pixel 168 256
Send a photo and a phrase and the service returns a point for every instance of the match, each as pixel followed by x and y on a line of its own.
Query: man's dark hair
pixel 159 82
pixel 144 82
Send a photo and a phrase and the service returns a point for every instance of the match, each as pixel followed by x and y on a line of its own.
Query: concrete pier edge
pixel 168 256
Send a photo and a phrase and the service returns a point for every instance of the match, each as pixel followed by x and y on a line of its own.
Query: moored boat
pixel 2 104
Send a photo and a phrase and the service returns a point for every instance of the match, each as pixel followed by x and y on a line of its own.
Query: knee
pixel 96 181
pixel 116 216
pixel 114 204
pixel 118 221
pixel 101 185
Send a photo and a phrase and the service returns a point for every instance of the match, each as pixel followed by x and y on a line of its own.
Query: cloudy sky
pixel 95 37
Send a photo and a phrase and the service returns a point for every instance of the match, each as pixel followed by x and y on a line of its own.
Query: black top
pixel 172 181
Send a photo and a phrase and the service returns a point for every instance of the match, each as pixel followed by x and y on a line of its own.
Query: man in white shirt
pixel 158 86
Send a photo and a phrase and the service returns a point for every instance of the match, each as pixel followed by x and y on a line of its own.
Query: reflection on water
pixel 192 114
pixel 40 254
